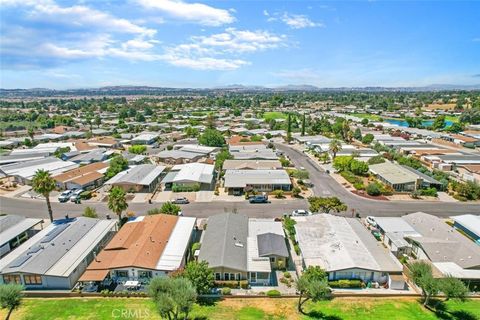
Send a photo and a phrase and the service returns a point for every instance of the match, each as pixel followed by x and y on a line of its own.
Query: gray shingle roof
pixel 271 244
pixel 225 241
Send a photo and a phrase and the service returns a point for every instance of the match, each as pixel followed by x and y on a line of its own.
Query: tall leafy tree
pixel 312 285
pixel 10 297
pixel 200 275
pixel 420 272
pixel 117 202
pixel 212 138
pixel 453 288
pixel 172 296
pixel 327 204
pixel 43 184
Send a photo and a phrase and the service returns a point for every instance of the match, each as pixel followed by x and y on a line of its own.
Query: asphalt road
pixel 324 185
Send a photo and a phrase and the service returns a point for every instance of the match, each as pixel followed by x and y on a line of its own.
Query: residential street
pixel 324 185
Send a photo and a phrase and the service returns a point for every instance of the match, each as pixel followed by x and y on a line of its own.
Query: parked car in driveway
pixel 181 200
pixel 300 213
pixel 259 199
pixel 371 221
pixel 65 195
pixel 75 197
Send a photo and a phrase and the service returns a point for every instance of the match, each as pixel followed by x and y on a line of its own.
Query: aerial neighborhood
pixel 257 194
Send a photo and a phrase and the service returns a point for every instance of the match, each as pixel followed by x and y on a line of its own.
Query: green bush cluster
pixel 184 188
pixel 226 291
pixel 232 284
pixel 430 192
pixel 347 284
pixel 85 195
pixel 273 293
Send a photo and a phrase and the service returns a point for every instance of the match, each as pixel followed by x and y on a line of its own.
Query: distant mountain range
pixel 146 90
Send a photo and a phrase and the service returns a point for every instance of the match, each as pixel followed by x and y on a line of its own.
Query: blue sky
pixel 180 43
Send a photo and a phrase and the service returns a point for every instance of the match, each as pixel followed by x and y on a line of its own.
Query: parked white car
pixel 301 213
pixel 65 195
pixel 76 195
pixel 371 221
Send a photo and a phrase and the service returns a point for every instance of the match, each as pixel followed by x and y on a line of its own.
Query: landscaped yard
pixel 244 309
pixel 274 115
pixel 372 117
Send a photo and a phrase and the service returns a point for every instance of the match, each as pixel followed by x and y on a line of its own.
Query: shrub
pixel 273 293
pixel 297 249
pixel 359 186
pixel 279 194
pixel 226 291
pixel 296 191
pixel 85 195
pixel 430 192
pixel 346 284
pixel 185 188
pixel 287 274
pixel 195 247
pixel 373 189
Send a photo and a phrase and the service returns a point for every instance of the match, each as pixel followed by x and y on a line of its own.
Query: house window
pixel 253 277
pixel 218 276
pixel 238 276
pixel 272 259
pixel 144 274
pixel 225 276
pixel 32 279
pixel 11 279
pixel 232 276
pixel 121 273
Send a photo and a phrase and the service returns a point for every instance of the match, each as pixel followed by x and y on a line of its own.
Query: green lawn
pixel 244 309
pixel 452 118
pixel 274 115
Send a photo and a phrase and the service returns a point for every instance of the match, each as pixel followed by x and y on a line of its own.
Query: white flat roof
pixel 17 229
pixel 172 255
pixel 453 269
pixel 470 222
pixel 196 172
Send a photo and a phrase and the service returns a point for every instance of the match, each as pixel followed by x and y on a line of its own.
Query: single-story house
pixel 141 178
pixel 56 257
pixel 95 155
pixel 345 249
pixel 145 247
pixel 469 224
pixel 190 174
pixel 251 165
pixel 145 138
pixel 450 252
pixel 236 181
pixel 402 178
pixel 238 248
pixel 15 230
pixel 23 172
pixel 178 156
pixel 394 230
pixel 23 157
pixel 84 177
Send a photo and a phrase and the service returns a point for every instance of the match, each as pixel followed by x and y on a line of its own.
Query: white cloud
pixel 192 12
pixel 220 51
pixel 299 21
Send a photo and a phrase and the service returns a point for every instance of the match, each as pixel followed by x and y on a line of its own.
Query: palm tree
pixel 117 202
pixel 10 297
pixel 334 147
pixel 43 184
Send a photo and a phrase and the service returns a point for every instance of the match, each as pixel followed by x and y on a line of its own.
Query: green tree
pixel 327 204
pixel 221 157
pixel 166 208
pixel 303 124
pixel 342 163
pixel 359 168
pixel 358 134
pixel 90 212
pixel 117 202
pixel 373 189
pixel 117 164
pixel 10 297
pixel 43 183
pixel 200 275
pixel 212 138
pixel 137 149
pixel 334 147
pixel 420 272
pixel 368 138
pixel 453 288
pixel 364 121
pixel 324 157
pixel 439 123
pixel 296 191
pixel 98 121
pixel 312 285
pixel 172 296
